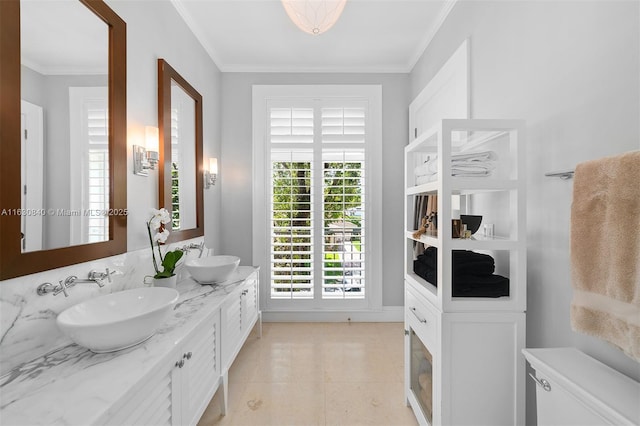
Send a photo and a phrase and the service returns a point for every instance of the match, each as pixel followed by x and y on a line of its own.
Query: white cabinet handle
pixel 415 312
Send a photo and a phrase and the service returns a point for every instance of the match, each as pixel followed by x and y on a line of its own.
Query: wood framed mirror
pixel 64 231
pixel 180 173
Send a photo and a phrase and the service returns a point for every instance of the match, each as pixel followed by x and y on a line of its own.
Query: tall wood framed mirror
pixel 180 174
pixel 63 149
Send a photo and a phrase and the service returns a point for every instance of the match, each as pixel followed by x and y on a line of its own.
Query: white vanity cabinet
pixel 239 314
pixel 180 389
pixel 197 375
pixel 167 380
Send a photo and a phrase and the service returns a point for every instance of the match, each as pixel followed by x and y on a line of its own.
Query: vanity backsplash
pixel 28 321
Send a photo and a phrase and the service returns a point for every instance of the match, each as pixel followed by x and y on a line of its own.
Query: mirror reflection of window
pixel 89 141
pixel 183 154
pixel 65 58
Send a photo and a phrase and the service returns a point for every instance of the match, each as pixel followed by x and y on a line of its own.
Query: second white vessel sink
pixel 212 269
pixel 119 320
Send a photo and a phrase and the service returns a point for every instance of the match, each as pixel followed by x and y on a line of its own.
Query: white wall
pixel 148 39
pixel 236 163
pixel 571 69
pixel 27 321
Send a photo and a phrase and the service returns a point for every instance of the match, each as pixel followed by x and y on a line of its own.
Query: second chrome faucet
pixel 93 277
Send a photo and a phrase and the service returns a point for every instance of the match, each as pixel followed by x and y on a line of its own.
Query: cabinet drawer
pixel 422 319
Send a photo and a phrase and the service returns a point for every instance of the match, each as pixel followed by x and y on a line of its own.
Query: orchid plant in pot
pixel 158 234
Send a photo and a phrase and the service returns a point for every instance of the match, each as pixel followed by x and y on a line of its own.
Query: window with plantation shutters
pixel 89 150
pixel 97 196
pixel 317 203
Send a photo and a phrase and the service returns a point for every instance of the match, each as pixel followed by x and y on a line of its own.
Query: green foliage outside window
pixel 175 197
pixel 343 200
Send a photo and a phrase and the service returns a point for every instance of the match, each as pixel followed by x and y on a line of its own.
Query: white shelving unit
pixel 463 360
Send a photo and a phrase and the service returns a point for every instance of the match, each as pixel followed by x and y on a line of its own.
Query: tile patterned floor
pixel 317 374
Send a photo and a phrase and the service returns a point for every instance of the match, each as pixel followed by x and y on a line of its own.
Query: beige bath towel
pixel 605 251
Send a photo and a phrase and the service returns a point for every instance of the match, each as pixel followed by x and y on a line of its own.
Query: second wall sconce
pixel 211 173
pixel 146 158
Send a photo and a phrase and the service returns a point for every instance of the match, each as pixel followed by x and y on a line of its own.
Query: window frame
pixel 372 95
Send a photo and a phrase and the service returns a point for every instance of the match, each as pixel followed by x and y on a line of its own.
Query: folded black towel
pixel 480 286
pixel 464 261
pixel 466 285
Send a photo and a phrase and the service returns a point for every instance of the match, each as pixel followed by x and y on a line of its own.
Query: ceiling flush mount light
pixel 314 16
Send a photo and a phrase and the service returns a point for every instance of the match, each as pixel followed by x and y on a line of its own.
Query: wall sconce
pixel 211 174
pixel 146 158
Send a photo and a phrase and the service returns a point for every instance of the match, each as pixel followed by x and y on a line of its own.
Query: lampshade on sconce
pixel 211 173
pixel 314 16
pixel 146 157
pixel 152 139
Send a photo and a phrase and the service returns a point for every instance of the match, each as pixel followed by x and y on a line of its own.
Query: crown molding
pixel 429 36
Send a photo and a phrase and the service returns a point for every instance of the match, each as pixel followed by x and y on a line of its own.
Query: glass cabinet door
pixel 422 375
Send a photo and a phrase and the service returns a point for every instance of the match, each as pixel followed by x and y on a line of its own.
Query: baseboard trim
pixel 387 314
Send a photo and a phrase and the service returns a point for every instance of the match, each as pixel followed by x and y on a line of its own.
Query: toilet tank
pixel 575 389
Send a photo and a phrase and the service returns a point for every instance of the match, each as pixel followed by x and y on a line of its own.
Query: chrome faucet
pixel 94 277
pixel 187 248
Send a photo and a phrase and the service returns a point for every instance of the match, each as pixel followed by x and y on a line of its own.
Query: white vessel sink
pixel 212 269
pixel 119 320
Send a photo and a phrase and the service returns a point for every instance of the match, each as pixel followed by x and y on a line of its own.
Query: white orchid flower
pixel 161 237
pixel 165 217
pixel 159 217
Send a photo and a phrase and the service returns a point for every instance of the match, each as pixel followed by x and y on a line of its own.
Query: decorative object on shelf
pixel 314 16
pixel 472 221
pixel 456 228
pixel 423 228
pixel 168 262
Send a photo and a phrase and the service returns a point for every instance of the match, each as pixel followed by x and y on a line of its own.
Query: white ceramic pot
pixel 166 282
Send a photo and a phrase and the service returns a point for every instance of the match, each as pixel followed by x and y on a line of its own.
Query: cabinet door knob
pixel 188 355
pixel 180 363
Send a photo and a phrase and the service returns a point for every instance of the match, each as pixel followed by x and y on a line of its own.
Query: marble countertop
pixel 74 386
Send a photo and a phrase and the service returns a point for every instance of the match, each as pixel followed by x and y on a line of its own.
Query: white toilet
pixel 575 389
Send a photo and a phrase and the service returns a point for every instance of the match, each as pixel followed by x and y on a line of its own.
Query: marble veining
pixel 27 321
pixel 72 385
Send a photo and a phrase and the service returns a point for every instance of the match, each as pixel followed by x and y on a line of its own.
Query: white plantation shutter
pixel 343 125
pixel 317 197
pixel 291 125
pixel 317 155
pixel 344 214
pixel 96 197
pixel 292 219
pixel 89 149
